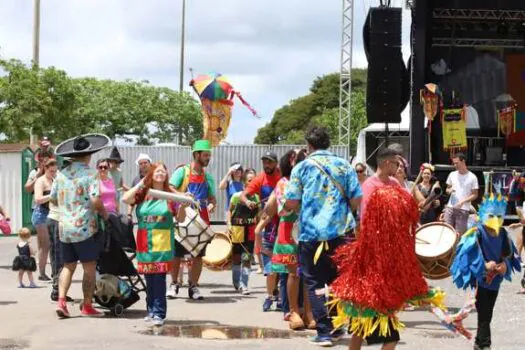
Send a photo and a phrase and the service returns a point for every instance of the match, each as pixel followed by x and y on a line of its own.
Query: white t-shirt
pixel 463 185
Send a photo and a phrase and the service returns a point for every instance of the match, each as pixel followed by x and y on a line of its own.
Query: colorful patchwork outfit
pixel 285 248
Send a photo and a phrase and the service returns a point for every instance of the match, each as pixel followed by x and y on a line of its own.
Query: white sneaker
pixel 157 321
pixel 148 318
pixel 173 291
pixel 245 291
pixel 194 293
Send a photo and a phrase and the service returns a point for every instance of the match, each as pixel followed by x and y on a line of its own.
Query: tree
pixel 319 107
pixel 48 102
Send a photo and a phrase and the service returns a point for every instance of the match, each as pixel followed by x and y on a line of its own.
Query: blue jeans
pixel 316 276
pixel 156 294
pixel 283 280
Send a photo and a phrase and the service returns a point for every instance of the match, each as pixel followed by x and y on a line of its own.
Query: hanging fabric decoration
pixel 216 94
pixel 454 125
pixel 430 98
pixel 507 120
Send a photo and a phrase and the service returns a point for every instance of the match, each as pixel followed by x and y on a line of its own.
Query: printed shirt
pixel 324 213
pixel 155 235
pixel 72 190
pixel 240 213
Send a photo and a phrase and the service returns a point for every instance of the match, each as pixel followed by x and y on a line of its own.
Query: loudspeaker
pixel 386 69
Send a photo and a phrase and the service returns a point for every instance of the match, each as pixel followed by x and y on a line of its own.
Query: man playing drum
pixel 193 179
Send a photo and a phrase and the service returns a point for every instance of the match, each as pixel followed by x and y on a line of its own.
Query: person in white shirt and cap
pixel 144 163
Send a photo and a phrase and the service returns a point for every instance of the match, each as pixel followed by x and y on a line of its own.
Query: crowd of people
pixel 290 218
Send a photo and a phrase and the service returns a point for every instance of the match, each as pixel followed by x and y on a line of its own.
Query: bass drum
pixel 435 249
pixel 218 253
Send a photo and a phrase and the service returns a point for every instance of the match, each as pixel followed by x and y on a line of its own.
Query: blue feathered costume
pixel 484 257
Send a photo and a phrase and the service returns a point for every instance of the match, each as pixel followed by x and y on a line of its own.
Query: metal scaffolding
pixel 345 79
pixel 476 15
pixel 475 42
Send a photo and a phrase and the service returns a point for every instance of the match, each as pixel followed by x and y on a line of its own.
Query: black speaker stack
pixel 386 69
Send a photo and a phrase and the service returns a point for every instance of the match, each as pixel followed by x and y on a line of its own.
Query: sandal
pixel 295 322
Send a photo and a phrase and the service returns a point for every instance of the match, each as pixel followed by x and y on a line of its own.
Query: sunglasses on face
pixel 359 171
pixel 103 167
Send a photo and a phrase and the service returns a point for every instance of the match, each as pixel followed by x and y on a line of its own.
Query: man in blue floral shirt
pixel 316 187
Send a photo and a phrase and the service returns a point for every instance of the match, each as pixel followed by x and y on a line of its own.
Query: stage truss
pixel 345 78
pixel 488 28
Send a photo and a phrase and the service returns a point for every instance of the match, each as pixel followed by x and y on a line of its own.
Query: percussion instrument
pixel 435 249
pixel 193 234
pixel 218 253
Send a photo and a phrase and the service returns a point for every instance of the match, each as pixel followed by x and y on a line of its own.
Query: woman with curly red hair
pixel 155 237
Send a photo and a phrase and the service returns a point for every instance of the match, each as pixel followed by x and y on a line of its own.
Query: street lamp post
pixel 36 50
pixel 183 25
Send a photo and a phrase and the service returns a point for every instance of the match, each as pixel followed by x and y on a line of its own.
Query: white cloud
pixel 272 50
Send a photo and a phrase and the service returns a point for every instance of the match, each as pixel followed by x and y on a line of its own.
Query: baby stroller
pixel 119 284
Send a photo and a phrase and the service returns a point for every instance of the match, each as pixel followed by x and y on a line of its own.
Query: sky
pixel 271 50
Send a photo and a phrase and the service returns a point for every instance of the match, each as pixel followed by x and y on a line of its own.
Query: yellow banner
pixel 454 127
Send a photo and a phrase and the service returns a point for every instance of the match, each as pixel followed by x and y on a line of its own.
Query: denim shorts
pixel 267 260
pixel 39 216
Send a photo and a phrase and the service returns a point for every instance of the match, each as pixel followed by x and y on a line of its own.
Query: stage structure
pixel 474 51
pixel 345 78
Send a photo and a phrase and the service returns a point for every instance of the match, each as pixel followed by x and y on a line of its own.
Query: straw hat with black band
pixel 81 146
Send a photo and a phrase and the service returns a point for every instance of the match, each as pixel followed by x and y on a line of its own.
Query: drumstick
pixel 180 198
pixel 422 241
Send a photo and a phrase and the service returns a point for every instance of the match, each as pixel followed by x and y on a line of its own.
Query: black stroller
pixel 116 259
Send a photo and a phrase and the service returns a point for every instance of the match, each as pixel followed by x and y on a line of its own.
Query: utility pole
pixel 181 82
pixel 36 50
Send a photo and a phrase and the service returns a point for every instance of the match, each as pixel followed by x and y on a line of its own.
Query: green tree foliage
pixel 319 107
pixel 53 104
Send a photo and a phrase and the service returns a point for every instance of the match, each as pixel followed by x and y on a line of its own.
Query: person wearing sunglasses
pixel 360 169
pixel 108 190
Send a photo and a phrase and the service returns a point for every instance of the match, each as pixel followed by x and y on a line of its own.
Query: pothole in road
pixel 222 332
pixel 12 344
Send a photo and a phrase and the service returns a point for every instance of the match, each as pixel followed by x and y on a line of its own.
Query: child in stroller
pixel 118 283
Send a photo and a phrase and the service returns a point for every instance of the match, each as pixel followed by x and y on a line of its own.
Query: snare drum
pixel 193 234
pixel 435 249
pixel 218 253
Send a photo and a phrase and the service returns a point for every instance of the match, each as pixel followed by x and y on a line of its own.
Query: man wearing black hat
pixel 263 185
pixel 75 191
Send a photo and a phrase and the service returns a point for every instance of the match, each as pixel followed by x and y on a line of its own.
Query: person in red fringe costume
pixel 379 272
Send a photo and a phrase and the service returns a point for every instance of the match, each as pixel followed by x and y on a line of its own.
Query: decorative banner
pixel 430 98
pixel 507 120
pixel 216 119
pixel 216 94
pixel 454 127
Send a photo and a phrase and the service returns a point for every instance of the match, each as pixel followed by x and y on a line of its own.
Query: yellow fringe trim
pixel 322 246
pixel 364 327
pixel 437 300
